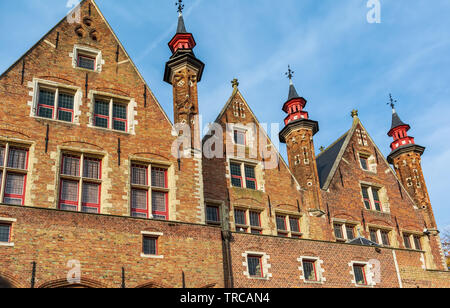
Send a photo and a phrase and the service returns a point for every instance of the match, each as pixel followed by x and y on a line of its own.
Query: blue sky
pixel 341 61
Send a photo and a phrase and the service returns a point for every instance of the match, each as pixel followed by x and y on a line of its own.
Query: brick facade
pixel 189 252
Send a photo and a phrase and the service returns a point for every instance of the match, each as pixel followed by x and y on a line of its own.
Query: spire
pixel 292 91
pixel 182 40
pixel 396 121
pixel 181 27
pixel 399 130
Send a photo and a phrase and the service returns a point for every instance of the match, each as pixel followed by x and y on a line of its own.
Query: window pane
pixel 376 196
pixel 385 238
pixel 91 168
pixel 159 205
pixel 64 116
pixel 407 241
pixel 2 156
pixel 101 108
pixel 65 101
pixel 68 207
pixel 417 243
pixel 350 232
pixel 239 217
pixel 119 125
pixel 101 122
pixel 139 175
pixel 255 219
pixel 4 233
pixel 89 209
pixel 71 166
pixel 239 137
pixel 14 184
pixel 45 112
pixel 91 193
pixel 236 182
pixel 338 231
pixel 47 98
pixel 281 223
pixel 254 266
pixel 212 214
pixel 364 163
pixel 359 274
pixel 119 111
pixel 149 246
pixel 309 270
pixel 159 178
pixel 86 62
pixel 373 236
pixel 17 158
pixel 294 222
pixel 365 192
pixel 69 191
pixel 235 169
pixel 139 199
pixel 250 172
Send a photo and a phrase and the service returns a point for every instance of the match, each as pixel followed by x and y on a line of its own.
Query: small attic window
pixel 87 58
pixel 85 61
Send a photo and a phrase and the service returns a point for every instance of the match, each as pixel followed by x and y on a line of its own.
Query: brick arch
pixel 346 216
pixel 380 222
pixel 57 79
pixel 152 285
pixel 85 283
pixel 287 206
pixel 82 144
pixel 9 281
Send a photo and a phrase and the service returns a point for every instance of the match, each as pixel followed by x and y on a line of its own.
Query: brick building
pixel 90 180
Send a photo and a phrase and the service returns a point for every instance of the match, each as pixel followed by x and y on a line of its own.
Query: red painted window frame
pixel 10 230
pixel 314 268
pixel 245 218
pixel 376 202
pixel 65 109
pixel 367 199
pixel 46 106
pixel 297 222
pixel 363 268
pixel 260 264
pixel 5 166
pixel 284 232
pixel 146 211
pixel 236 176
pixel 88 57
pixel 166 194
pixel 249 178
pixel 102 116
pixel 119 119
pixel 255 229
pixel 77 203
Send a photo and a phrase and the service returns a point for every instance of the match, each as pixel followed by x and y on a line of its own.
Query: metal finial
pixel 290 73
pixel 180 6
pixel 354 113
pixel 392 101
pixel 235 83
pixel 322 149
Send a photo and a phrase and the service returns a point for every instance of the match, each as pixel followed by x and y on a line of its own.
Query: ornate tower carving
pixel 183 71
pixel 298 135
pixel 406 159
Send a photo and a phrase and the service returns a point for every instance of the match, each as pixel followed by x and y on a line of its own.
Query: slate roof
pixel 363 241
pixel 292 92
pixel 181 27
pixel 396 121
pixel 326 159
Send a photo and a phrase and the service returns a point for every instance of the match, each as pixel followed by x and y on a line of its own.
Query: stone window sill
pixel 6 244
pixel 151 256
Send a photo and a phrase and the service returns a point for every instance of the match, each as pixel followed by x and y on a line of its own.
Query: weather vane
pixel 180 6
pixel 392 101
pixel 290 73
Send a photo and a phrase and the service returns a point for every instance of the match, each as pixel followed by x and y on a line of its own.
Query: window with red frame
pixel 255 266
pixel 250 178
pixel 59 99
pixel 5 232
pixel 111 114
pixel 145 181
pixel 309 270
pixel 240 220
pixel 294 223
pixel 281 225
pixel 71 181
pixel 367 202
pixel 236 175
pixel 255 222
pixel 376 199
pixel 13 173
pixel 360 274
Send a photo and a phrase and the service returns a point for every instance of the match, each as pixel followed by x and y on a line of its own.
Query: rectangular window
pixel 71 182
pixel 364 162
pixel 294 224
pixel 239 218
pixel 149 246
pixel 13 174
pixel 338 231
pixel 59 99
pixel 255 222
pixel 376 199
pixel 5 233
pixel 385 238
pixel 141 190
pixel 212 214
pixel 365 192
pixel 236 175
pixel 281 225
pixel 350 232
pixel 108 113
pixel 255 266
pixel 407 241
pixel 309 270
pixel 360 274
pixel 417 242
pixel 86 62
pixel 250 178
pixel 239 137
pixel 373 235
